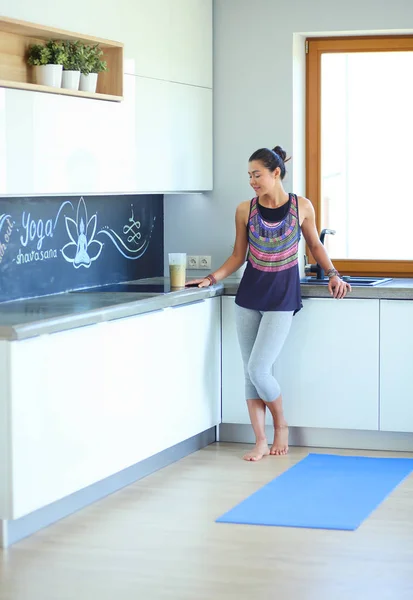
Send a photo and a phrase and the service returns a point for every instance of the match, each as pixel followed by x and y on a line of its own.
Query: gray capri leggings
pixel 261 336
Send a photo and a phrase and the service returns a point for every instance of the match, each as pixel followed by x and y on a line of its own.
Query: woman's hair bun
pixel 281 153
pixel 271 159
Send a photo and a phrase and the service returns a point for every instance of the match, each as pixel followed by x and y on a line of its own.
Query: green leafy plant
pixel 57 51
pixel 91 60
pixel 72 60
pixel 53 52
pixel 38 55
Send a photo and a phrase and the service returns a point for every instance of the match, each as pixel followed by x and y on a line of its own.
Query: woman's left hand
pixel 338 288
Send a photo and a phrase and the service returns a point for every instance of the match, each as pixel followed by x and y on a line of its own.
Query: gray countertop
pixel 24 319
pixel 29 318
pixel 396 289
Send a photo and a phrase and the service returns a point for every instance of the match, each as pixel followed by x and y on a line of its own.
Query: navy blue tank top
pixel 271 280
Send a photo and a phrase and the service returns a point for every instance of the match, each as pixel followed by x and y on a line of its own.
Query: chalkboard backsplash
pixel 58 244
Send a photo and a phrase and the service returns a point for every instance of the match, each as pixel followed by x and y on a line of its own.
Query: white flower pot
pixel 88 83
pixel 50 75
pixel 70 80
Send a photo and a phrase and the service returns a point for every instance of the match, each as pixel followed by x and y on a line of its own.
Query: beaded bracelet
pixel 211 279
pixel 332 273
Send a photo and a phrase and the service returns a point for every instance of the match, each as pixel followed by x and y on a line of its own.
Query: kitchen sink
pixel 353 281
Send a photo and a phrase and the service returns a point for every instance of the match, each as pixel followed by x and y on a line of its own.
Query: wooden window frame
pixel 315 48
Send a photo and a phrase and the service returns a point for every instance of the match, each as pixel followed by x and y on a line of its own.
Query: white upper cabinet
pixel 174 136
pixel 60 145
pixel 159 139
pixel 190 42
pixel 163 39
pixel 169 39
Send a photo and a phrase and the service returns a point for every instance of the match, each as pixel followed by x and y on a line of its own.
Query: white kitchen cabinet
pixel 328 369
pixel 61 145
pixel 174 136
pixel 84 404
pixel 234 408
pixel 5 434
pixel 159 139
pixel 169 40
pixel 192 368
pixel 396 360
pixel 164 39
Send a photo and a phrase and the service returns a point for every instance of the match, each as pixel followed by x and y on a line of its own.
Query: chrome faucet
pixel 309 268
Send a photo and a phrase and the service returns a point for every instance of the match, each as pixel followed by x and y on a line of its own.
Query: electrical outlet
pixel 192 262
pixel 204 262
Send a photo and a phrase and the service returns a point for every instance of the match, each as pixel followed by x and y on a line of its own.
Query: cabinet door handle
pixel 187 304
pixel 142 314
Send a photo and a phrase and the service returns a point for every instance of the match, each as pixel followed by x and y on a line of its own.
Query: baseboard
pixel 326 438
pixel 14 531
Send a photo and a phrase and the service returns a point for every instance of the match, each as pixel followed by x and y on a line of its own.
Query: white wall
pixel 259 64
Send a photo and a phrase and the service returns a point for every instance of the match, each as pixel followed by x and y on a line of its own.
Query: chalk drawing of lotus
pixel 83 249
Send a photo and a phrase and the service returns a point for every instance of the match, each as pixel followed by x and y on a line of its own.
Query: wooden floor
pixel 157 539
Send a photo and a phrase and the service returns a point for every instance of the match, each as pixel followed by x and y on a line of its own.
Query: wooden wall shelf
pixel 17 36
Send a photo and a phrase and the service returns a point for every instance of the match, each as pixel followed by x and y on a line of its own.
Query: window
pixel 360 151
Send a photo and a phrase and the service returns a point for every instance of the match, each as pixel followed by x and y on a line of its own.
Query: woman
pixel 269 294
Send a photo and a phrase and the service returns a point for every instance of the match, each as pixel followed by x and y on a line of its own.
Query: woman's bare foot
pixel 280 445
pixel 260 449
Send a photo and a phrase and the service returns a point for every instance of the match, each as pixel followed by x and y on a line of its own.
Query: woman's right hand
pixel 205 282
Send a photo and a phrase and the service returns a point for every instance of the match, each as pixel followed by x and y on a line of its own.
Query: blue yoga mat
pixel 323 491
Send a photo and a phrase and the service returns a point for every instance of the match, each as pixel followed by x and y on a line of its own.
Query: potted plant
pixel 71 65
pixel 91 64
pixel 47 60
